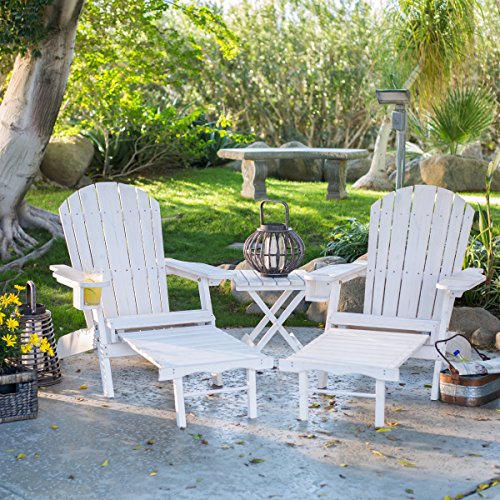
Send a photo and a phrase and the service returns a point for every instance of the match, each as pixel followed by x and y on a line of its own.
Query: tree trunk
pixel 28 113
pixel 376 178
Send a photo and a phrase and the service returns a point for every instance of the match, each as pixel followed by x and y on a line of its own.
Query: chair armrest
pixel 319 283
pixel 460 282
pixel 196 271
pixel 74 278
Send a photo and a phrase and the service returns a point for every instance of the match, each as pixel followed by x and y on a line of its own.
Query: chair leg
pixel 379 403
pixel 106 375
pixel 303 395
pixel 322 380
pixel 252 393
pixel 217 379
pixel 180 411
pixel 435 380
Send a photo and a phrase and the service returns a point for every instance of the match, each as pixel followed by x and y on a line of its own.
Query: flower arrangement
pixel 11 345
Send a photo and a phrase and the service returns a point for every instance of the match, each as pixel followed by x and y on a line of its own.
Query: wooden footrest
pixel 181 351
pixel 343 351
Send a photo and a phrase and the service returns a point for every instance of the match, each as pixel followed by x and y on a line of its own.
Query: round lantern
pixel 274 249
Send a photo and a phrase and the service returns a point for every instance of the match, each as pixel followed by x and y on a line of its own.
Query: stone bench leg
pixel 335 172
pixel 254 179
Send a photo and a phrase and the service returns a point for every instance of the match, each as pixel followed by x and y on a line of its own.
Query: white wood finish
pixel 116 229
pixel 75 343
pixel 417 241
pixel 253 283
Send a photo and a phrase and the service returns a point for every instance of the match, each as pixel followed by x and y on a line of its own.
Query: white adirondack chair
pixel 417 241
pixel 116 228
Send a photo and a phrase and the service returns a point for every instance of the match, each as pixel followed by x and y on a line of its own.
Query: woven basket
pixel 18 396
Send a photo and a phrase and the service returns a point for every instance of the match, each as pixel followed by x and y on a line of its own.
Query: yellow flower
pixel 14 299
pixel 2 316
pixel 10 340
pixel 44 345
pixel 12 323
pixel 17 313
pixel 19 287
pixel 4 300
pixel 51 352
pixel 35 339
pixel 27 348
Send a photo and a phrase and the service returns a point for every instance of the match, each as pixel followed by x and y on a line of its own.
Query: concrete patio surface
pixel 84 446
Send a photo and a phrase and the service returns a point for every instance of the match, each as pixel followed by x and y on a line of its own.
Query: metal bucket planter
pixel 18 396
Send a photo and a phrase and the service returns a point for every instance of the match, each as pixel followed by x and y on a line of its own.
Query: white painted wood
pixel 461 281
pixel 373 236
pixel 116 229
pixel 384 322
pixel 252 394
pixel 303 395
pixel 75 343
pixel 379 403
pixel 180 410
pixel 322 380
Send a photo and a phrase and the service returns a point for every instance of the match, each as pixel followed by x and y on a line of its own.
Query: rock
pixel 467 320
pixel 473 150
pixel 457 173
pixel 236 246
pixel 83 182
pixel 357 168
pixel 483 338
pixel 299 170
pixel 412 173
pixel 67 159
pixel 253 308
pixel 497 341
pixel 227 267
pixel 322 262
pixel 390 163
pixel 233 165
pixel 272 165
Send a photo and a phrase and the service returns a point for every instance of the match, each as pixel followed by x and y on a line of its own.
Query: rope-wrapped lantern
pixel 274 250
pixel 35 318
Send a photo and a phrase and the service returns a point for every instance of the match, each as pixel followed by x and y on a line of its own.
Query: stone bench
pixel 254 166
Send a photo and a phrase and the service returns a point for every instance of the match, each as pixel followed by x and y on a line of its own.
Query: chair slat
pixel 372 255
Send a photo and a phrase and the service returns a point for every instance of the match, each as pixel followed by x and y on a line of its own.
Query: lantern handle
pixel 284 203
pixel 31 296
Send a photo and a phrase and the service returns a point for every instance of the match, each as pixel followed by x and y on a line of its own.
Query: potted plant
pixel 18 385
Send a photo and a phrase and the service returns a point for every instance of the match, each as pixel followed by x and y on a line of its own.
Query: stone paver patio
pixel 434 450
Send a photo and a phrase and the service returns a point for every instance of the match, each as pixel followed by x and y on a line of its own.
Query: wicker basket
pixel 18 396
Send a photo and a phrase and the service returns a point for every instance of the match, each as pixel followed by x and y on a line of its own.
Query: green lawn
pixel 203 213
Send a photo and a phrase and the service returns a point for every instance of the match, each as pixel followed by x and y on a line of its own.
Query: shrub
pixel 461 118
pixel 349 241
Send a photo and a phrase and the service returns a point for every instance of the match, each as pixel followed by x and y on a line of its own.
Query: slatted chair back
pixel 116 228
pixel 418 236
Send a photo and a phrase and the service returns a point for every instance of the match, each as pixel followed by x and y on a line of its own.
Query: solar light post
pixel 400 98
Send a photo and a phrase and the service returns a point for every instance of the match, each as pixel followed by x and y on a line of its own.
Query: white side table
pixel 253 283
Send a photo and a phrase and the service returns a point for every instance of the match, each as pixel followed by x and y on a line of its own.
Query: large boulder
pixel 67 159
pixel 457 173
pixel 476 323
pixel 300 169
pixel 412 173
pixel 473 150
pixel 357 168
pixel 272 165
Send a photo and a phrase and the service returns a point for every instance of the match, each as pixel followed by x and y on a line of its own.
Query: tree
pixel 42 33
pixel 437 35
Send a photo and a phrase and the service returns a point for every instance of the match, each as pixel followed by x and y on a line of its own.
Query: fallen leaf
pixel 409 491
pixel 428 386
pixel 481 487
pixel 151 441
pixel 343 465
pixel 257 460
pixel 83 387
pixel 138 447
pixel 197 437
pixel 331 443
pixel 240 442
pixel 308 436
pixel 392 424
pixel 378 453
pixel 20 456
pixel 314 405
pixel 474 455
pixel 406 463
pixel 328 396
pixel 498 411
pixel 204 441
pixel 10 450
pixel 153 473
pixel 105 463
pixel 241 455
pixel 383 429
pixel 37 455
pixel 398 410
pixel 54 427
pixel 226 447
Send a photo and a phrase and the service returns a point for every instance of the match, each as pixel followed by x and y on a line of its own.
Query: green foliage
pixel 349 240
pixel 305 71
pixel 437 35
pixel 461 117
pixel 22 25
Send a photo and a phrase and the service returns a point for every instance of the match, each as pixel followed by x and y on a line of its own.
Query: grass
pixel 203 213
